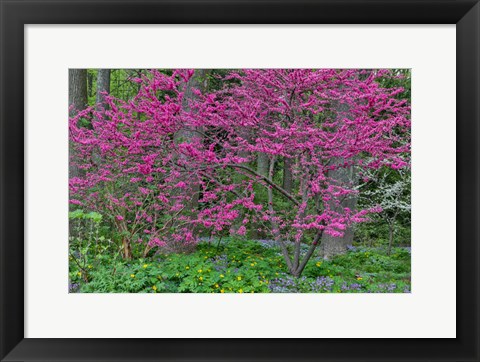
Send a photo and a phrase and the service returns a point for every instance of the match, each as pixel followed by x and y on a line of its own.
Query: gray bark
pixel 103 88
pixel 262 164
pixel 287 174
pixel 103 85
pixel 77 90
pixel 77 96
pixel 331 246
pixel 246 134
pixel 90 84
pixel 197 81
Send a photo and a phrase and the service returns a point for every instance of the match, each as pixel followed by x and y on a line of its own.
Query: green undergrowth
pixel 242 266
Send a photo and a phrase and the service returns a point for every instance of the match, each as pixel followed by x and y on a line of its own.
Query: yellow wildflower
pixel 239 278
pixel 145 266
pixel 359 278
pixel 222 291
pixel 200 270
pixel 132 275
pixel 252 264
pixel 222 276
pixel 318 263
pixel 79 274
pixel 154 287
pixel 240 290
pixel 200 278
pixel 187 267
pixel 216 285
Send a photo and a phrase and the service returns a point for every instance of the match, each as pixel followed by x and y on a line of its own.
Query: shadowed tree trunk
pixel 246 134
pixel 77 97
pixel 197 81
pixel 330 245
pixel 287 174
pixel 77 90
pixel 90 84
pixel 103 86
pixel 262 164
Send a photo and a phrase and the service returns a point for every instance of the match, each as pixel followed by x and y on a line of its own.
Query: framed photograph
pixel 239 180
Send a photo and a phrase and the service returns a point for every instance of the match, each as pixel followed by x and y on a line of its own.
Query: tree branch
pixel 267 180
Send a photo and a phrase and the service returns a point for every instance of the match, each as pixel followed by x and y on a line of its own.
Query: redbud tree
pixel 145 159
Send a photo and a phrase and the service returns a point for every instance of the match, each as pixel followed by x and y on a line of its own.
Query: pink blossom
pixel 242 230
pixel 286 114
pixel 181 185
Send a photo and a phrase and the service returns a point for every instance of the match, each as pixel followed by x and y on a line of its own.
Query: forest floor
pixel 245 266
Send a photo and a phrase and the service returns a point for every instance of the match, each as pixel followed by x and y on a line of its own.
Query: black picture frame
pixel 15 14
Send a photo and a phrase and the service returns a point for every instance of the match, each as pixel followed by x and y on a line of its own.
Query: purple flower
pixel 73 287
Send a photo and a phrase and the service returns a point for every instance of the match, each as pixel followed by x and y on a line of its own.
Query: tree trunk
pixel 197 81
pixel 287 174
pixel 330 245
pixel 77 90
pixel 127 249
pixel 262 164
pixel 77 97
pixel 126 242
pixel 90 84
pixel 103 86
pixel 246 134
pixel 390 237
